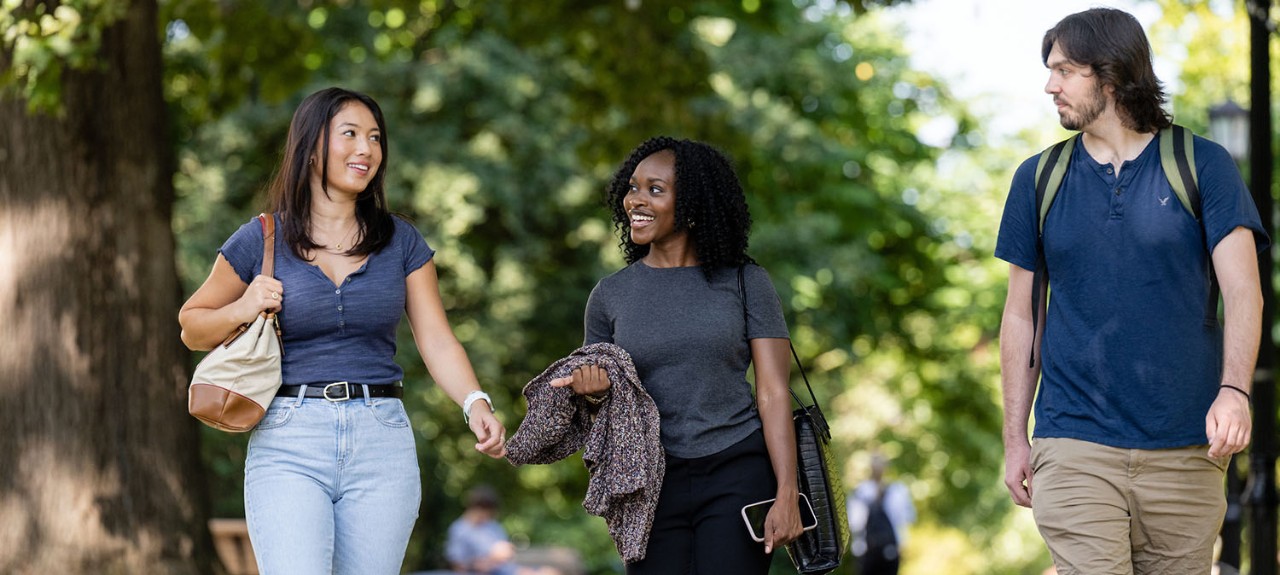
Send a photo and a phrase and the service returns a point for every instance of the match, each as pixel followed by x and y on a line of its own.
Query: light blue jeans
pixel 332 487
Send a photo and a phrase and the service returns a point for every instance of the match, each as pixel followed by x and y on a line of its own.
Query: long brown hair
pixel 290 191
pixel 1112 43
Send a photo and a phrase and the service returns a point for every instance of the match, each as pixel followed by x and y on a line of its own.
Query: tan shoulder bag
pixel 234 384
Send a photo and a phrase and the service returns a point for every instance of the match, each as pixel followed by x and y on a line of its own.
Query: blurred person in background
pixel 879 513
pixel 476 543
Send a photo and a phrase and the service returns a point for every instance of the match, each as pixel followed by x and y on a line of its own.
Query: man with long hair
pixel 1143 393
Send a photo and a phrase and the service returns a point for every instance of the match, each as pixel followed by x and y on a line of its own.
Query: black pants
pixel 698 528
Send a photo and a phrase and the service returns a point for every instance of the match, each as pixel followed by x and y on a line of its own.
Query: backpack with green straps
pixel 1177 158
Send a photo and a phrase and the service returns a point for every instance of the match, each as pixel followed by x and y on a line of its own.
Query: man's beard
pixel 1086 112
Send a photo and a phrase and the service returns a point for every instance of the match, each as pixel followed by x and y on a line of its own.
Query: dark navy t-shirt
pixel 1126 358
pixel 344 332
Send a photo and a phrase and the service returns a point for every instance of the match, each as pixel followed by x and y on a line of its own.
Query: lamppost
pixel 1229 126
pixel 1261 488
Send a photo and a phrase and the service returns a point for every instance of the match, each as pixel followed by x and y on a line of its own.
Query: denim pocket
pixel 278 414
pixel 390 412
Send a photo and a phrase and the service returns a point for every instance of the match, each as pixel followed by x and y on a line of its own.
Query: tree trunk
pixel 100 470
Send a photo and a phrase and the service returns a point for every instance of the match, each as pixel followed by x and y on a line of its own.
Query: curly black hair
pixel 710 203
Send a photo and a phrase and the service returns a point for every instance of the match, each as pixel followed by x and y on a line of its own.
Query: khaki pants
pixel 1105 510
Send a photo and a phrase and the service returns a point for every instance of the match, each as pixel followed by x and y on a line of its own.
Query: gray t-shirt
pixel 690 346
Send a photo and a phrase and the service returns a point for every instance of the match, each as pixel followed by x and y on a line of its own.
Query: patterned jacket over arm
pixel 622 447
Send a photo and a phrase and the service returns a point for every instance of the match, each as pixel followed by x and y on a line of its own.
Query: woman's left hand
pixel 490 434
pixel 585 380
pixel 782 524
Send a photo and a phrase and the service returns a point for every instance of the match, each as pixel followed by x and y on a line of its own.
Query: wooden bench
pixel 231 541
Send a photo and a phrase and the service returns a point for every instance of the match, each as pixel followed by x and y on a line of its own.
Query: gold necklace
pixel 350 231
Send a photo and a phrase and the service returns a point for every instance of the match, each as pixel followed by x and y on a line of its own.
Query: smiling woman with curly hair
pixel 678 309
pixel 710 194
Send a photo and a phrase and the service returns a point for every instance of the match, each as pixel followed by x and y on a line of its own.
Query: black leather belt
pixel 342 390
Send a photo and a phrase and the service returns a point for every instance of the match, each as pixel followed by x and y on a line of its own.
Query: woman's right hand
pixel 263 294
pixel 586 380
pixel 224 303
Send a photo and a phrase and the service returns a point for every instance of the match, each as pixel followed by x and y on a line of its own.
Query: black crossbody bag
pixel 818 550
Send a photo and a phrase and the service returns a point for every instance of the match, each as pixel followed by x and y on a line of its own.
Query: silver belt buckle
pixel 346 391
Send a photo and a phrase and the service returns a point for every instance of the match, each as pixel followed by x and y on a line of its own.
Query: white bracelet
pixel 471 398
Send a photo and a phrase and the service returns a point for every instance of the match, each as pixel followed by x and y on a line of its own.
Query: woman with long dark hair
pixel 331 477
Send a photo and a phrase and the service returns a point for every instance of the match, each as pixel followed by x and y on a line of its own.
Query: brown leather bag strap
pixel 268 244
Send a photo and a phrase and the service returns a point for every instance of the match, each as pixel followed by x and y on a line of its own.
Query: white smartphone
pixel 754 515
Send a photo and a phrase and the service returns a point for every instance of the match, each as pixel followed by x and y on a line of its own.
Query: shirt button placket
pixel 342 322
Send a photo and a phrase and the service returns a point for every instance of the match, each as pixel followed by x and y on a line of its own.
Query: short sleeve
pixel 597 327
pixel 764 309
pixel 243 250
pixel 414 247
pixel 1225 200
pixel 1016 242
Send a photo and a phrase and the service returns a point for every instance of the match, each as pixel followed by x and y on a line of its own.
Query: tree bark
pixel 100 470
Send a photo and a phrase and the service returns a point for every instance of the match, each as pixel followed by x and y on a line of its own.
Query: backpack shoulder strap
pixel 1177 157
pixel 1049 173
pixel 1050 170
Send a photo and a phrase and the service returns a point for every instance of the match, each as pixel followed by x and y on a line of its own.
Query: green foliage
pixel 505 123
pixel 841 224
pixel 42 40
pixel 1216 63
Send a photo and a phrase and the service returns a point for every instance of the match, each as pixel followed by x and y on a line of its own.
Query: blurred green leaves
pixel 874 198
pixel 505 120
pixel 42 40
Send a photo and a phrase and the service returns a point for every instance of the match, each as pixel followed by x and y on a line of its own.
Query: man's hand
pixel 1227 424
pixel 1017 472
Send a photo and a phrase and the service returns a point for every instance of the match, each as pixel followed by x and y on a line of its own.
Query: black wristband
pixel 1245 393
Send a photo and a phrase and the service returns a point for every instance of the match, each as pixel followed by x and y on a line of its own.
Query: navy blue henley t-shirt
pixel 343 332
pixel 1126 358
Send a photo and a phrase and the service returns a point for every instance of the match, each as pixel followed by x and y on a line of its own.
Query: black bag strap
pixel 813 411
